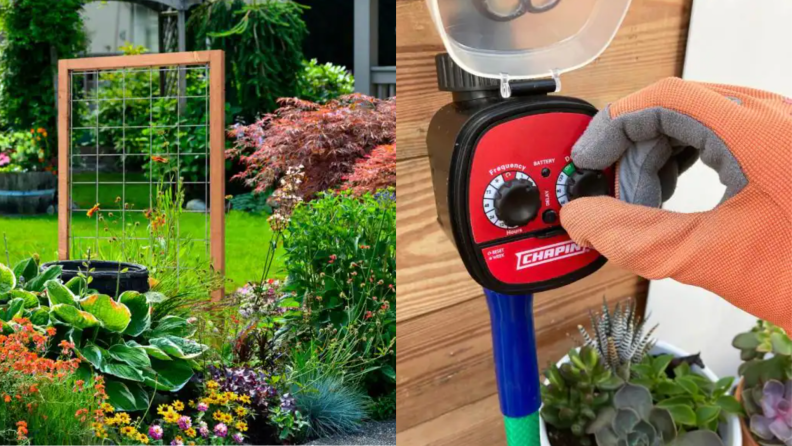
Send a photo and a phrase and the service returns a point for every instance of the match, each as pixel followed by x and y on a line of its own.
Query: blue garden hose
pixel 516 365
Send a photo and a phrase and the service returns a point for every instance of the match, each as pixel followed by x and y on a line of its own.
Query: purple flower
pixel 287 403
pixel 203 430
pixel 221 430
pixel 177 443
pixel 155 432
pixel 237 437
pixel 776 421
pixel 202 407
pixel 184 422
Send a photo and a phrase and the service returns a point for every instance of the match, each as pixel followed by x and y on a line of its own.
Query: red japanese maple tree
pixel 376 171
pixel 325 140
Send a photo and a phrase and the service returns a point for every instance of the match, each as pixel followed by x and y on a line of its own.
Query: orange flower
pixel 93 210
pixel 159 159
pixel 7 398
pixel 51 331
pixel 153 282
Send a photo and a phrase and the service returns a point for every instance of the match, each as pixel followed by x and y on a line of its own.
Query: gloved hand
pixel 742 249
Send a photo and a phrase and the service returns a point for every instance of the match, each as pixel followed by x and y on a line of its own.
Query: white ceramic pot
pixel 728 431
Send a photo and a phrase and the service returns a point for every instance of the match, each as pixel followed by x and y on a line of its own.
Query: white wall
pixel 740 42
pixel 112 24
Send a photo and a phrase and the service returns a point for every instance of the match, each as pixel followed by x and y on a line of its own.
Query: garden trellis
pixel 127 132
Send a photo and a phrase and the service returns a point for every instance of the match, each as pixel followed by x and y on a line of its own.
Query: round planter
pixel 26 192
pixel 729 431
pixel 106 276
pixel 748 439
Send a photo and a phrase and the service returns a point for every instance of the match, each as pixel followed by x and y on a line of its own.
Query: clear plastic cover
pixel 525 39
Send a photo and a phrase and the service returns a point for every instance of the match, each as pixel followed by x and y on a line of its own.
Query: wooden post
pixel 217 156
pixel 64 131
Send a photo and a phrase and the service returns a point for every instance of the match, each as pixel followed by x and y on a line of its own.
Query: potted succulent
pixel 765 390
pixel 597 395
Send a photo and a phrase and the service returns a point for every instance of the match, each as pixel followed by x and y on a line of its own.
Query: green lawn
pixel 247 236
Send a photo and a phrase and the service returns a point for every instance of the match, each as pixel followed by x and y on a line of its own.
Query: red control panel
pixel 536 150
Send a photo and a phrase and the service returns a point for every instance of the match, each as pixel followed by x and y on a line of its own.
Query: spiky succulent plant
pixel 632 420
pixel 619 337
pixel 576 391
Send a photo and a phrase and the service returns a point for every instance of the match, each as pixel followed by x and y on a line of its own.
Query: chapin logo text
pixel 550 253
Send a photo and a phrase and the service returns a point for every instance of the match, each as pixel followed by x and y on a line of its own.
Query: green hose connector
pixel 523 431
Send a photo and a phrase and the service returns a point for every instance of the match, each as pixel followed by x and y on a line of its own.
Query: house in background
pixel 358 34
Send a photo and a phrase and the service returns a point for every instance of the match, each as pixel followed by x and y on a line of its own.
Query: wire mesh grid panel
pixel 144 171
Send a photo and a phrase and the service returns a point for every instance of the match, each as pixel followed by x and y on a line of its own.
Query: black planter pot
pixel 106 276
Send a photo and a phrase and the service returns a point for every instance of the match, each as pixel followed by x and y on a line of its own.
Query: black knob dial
pixel 587 183
pixel 517 202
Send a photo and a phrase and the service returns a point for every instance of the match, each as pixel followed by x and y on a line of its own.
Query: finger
pixel 723 250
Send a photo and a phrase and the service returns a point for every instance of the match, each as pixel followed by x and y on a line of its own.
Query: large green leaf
pixel 77 285
pixel 74 317
pixel 134 356
pixel 15 307
pixel 95 355
pixel 122 370
pixel 31 301
pixel 37 284
pixel 173 326
pixel 168 375
pixel 140 309
pixel 114 316
pixel 178 347
pixel 7 279
pixel 152 351
pixel 40 316
pixel 27 269
pixel 59 294
pixel 127 397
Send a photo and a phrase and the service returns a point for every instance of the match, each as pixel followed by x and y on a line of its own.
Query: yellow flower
pixel 123 418
pixel 231 396
pixel 212 384
pixel 227 418
pixel 191 403
pixel 241 411
pixel 107 408
pixel 244 399
pixel 162 409
pixel 179 438
pixel 110 421
pixel 218 416
pixel 178 405
pixel 192 443
pixel 143 438
pixel 241 426
pixel 126 430
pixel 191 432
pixel 171 417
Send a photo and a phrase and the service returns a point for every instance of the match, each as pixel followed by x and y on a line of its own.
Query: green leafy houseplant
pixel 116 337
pixel 322 82
pixel 633 420
pixel 694 401
pixel 576 391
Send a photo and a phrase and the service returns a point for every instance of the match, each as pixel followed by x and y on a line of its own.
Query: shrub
pixel 24 151
pixel 384 407
pixel 30 383
pixel 262 41
pixel 341 263
pixel 116 338
pixel 331 407
pixel 376 171
pixel 36 34
pixel 323 82
pixel 252 202
pixel 326 140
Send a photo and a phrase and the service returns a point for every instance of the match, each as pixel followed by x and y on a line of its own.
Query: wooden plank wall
pixel 446 387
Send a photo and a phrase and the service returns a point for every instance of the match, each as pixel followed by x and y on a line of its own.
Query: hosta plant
pixel 115 337
pixel 693 400
pixel 770 413
pixel 619 337
pixel 577 391
pixel 633 420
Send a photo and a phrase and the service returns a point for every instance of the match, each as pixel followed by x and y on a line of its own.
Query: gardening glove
pixel 741 249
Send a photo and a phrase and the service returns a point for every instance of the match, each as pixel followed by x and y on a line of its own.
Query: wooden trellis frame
pixel 215 62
